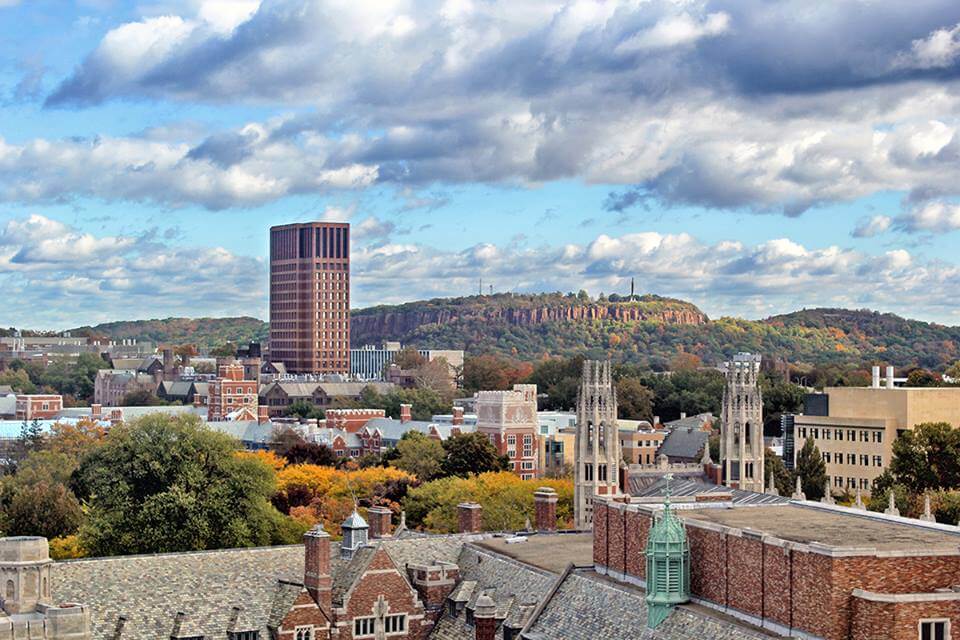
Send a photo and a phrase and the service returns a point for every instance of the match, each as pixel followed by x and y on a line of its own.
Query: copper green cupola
pixel 668 565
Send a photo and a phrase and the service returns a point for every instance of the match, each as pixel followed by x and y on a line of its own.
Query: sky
pixel 753 157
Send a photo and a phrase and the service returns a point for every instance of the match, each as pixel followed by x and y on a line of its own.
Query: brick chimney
pixel 379 519
pixel 263 414
pixel 485 618
pixel 469 517
pixel 545 508
pixel 96 410
pixel 316 570
pixel 457 416
pixel 406 413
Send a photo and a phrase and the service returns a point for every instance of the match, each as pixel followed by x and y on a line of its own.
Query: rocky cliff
pixel 395 322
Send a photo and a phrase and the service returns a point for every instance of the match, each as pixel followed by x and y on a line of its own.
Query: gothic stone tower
pixel 741 431
pixel 597 442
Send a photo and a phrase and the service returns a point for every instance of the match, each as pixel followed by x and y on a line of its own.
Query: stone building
pixel 509 420
pixel 597 442
pixel 28 608
pixel 741 429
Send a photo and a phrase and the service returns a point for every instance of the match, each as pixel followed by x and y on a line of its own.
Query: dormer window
pixel 243 635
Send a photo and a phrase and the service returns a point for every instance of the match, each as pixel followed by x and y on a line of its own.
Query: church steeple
pixel 668 564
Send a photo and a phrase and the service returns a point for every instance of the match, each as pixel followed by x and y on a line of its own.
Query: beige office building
pixel 856 433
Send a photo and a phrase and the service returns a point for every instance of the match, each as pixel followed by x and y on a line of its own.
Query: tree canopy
pixel 470 453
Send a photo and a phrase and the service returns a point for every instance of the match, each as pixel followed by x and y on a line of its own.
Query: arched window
pixel 10 590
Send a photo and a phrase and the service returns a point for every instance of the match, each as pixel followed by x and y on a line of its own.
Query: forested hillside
pixel 645 330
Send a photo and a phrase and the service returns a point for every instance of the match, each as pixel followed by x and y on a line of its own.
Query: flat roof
pixel 551 552
pixel 829 527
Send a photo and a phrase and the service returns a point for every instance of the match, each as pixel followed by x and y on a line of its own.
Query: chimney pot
pixel 484 618
pixel 406 413
pixel 889 377
pixel 875 378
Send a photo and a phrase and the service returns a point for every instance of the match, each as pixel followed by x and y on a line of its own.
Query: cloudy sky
pixel 752 156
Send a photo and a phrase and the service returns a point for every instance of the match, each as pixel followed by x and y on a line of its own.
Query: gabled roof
pixel 684 443
pixel 586 606
pixel 691 487
pixel 690 422
pixel 291 389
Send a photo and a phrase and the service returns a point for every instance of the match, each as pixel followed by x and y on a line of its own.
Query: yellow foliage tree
pixel 76 439
pixel 269 458
pixel 507 501
pixel 67 548
pixel 312 493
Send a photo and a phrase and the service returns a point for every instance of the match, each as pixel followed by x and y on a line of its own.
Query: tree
pixel 18 380
pixel 31 436
pixel 435 375
pixel 77 438
pixel 468 453
pixel 634 401
pixel 141 398
pixel 684 361
pixel 43 509
pixel 782 480
pixel 812 471
pixel 493 373
pixel 168 483
pixel 927 457
pixel 507 501
pixel 409 359
pixel 419 455
pixel 923 378
pixel 310 453
pixel 225 350
pixel 779 397
pixel 303 409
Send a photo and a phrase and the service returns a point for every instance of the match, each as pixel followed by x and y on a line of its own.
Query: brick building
pixel 310 297
pixel 351 420
pixel 232 397
pixel 38 407
pixel 509 420
pixel 800 569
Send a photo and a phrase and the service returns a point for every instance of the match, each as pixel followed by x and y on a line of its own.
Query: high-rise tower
pixel 310 297
pixel 741 430
pixel 597 442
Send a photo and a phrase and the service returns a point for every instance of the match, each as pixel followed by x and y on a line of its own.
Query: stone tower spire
pixel 597 442
pixel 741 435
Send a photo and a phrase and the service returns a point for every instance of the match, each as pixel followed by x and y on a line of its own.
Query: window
pixel 243 635
pixel 363 626
pixel 851 435
pixel 815 434
pixel 803 432
pixel 511 440
pixel 852 483
pixel 395 624
pixel 10 590
pixel 838 481
pixel 877 461
pixel 826 434
pixel 826 457
pixel 838 434
pixel 587 475
pixel 851 458
pixel 934 629
pixel 878 436
pixel 526 465
pixel 602 472
pixel 864 460
pixel 864 483
pixel 864 436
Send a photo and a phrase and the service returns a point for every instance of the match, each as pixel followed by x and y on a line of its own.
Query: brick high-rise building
pixel 310 297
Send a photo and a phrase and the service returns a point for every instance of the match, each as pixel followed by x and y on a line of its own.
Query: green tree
pixel 31 437
pixel 923 378
pixel 927 457
pixel 167 483
pixel 634 401
pixel 782 480
pixel 18 380
pixel 469 453
pixel 779 397
pixel 419 455
pixel 43 509
pixel 812 471
pixel 304 410
pixel 141 398
pixel 225 350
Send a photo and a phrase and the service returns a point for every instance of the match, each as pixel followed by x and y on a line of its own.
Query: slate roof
pixel 247 431
pixel 684 443
pixel 150 589
pixel 392 429
pixel 689 487
pixel 586 606
pixel 690 422
pixel 176 388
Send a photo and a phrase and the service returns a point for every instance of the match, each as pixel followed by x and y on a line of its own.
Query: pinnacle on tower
pixel 798 492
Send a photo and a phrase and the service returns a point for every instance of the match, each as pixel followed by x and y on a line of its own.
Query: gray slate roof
pixel 586 606
pixel 684 443
pixel 150 589
pixel 689 487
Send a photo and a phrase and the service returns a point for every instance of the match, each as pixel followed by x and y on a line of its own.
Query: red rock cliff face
pixel 394 323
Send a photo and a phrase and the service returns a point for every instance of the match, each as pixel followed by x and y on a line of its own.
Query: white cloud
pixel 675 31
pixel 938 50
pixel 871 226
pixel 930 217
pixel 74 276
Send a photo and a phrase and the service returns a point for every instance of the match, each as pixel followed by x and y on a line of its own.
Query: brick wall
pixel 745 581
pixel 600 510
pixel 708 564
pixel 616 560
pixel 636 532
pixel 777 577
pixel 381 577
pixel 874 620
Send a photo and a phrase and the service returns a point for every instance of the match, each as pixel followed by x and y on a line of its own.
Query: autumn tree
pixel 43 509
pixel 409 358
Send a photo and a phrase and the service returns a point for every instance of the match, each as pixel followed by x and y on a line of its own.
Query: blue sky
pixel 753 157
